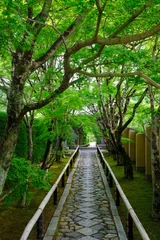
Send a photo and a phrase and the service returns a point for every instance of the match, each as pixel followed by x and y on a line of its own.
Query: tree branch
pixel 100 11
pixel 67 33
pixel 4 85
pixel 146 78
pixel 113 41
pixel 134 111
pixel 132 18
pixel 42 16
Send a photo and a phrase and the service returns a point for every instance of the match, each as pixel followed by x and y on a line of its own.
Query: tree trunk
pixel 14 117
pixel 47 155
pixel 30 143
pixel 119 157
pixel 7 146
pixel 124 159
pixel 22 201
pixel 59 149
pixel 128 170
pixel 155 157
pixel 155 174
pixel 29 120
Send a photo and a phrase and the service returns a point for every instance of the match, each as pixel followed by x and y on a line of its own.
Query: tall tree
pixel 34 32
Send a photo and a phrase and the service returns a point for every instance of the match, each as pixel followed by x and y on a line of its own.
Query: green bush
pixel 22 177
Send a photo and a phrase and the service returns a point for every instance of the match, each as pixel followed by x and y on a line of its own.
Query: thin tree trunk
pixel 47 155
pixel 22 201
pixel 59 149
pixel 155 130
pixel 29 120
pixel 30 143
pixel 29 126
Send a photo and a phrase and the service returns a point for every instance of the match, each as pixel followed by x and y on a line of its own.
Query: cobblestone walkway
pixel 87 214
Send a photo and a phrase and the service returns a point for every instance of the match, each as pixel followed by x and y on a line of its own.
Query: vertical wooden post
pixel 110 181
pixel 67 172
pixel 71 162
pixel 130 227
pixel 107 171
pixel 117 198
pixel 55 198
pixel 63 180
pixel 40 228
pixel 103 164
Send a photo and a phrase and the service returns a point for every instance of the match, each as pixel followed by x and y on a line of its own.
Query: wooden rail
pixel 38 217
pixel 132 217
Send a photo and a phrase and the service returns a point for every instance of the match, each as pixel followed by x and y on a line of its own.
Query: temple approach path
pixel 86 210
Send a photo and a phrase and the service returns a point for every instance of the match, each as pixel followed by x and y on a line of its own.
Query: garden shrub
pixel 24 176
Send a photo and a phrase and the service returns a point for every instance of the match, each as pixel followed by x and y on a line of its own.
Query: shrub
pixel 22 177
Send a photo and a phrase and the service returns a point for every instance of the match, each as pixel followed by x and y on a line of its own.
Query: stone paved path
pixel 87 213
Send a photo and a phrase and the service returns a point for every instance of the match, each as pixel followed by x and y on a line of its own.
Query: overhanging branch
pixel 113 41
pixel 146 78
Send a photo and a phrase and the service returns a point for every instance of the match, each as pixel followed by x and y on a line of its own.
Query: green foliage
pixel 22 177
pixel 39 139
pixel 126 140
pixel 22 142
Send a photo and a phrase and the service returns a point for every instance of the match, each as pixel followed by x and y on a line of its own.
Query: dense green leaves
pixel 22 177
